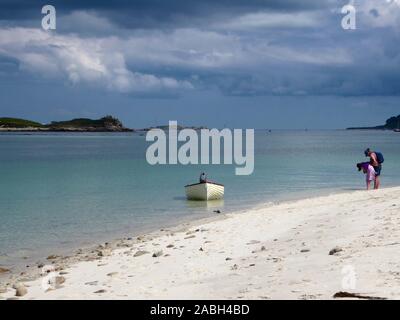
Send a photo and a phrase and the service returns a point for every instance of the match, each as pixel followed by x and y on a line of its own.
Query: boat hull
pixel 204 191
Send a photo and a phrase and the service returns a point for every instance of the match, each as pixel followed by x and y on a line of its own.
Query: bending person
pixel 376 160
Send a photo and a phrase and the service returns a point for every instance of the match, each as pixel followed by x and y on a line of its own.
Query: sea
pixel 61 191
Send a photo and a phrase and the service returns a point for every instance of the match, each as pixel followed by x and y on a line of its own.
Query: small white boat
pixel 204 191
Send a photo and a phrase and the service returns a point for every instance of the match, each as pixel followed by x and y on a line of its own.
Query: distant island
pixel 105 124
pixel 392 123
pixel 166 128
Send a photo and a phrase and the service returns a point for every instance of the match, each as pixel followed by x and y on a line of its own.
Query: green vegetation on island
pixel 105 124
pixel 392 123
pixel 18 123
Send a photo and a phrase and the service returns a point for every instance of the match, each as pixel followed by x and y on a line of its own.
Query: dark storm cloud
pixel 279 47
pixel 156 13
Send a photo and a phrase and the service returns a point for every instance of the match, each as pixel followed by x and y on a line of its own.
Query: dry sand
pixel 271 252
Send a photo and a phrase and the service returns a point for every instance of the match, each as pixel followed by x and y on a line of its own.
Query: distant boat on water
pixel 204 191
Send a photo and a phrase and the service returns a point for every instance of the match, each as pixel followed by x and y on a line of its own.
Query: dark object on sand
pixel 4 270
pixel 344 294
pixel 335 250
pixel 217 211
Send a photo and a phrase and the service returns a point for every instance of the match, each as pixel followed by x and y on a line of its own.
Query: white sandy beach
pixel 272 252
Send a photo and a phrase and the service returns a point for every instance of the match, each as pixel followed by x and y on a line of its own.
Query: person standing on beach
pixel 376 160
pixel 369 171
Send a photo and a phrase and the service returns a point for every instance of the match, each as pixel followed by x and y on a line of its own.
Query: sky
pixel 272 64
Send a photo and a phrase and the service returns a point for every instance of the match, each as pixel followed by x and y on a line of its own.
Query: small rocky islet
pixel 104 124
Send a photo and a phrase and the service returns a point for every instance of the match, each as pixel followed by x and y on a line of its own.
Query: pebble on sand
pixel 20 290
pixel 104 253
pixel 4 270
pixel 253 242
pixel 157 254
pixel 335 250
pixel 100 291
pixel 59 280
pixel 140 253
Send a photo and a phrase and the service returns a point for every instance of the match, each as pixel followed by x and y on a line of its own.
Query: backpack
pixel 379 157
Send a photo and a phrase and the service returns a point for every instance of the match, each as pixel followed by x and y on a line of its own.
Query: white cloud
pixel 118 62
pixel 215 51
pixel 324 56
pixel 266 20
pixel 81 60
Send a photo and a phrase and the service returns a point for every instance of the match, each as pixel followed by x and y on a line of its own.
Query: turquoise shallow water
pixel 61 191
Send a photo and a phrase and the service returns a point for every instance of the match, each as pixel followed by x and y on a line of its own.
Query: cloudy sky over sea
pixel 239 63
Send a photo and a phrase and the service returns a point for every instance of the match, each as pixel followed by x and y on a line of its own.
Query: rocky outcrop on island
pixel 105 124
pixel 392 123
